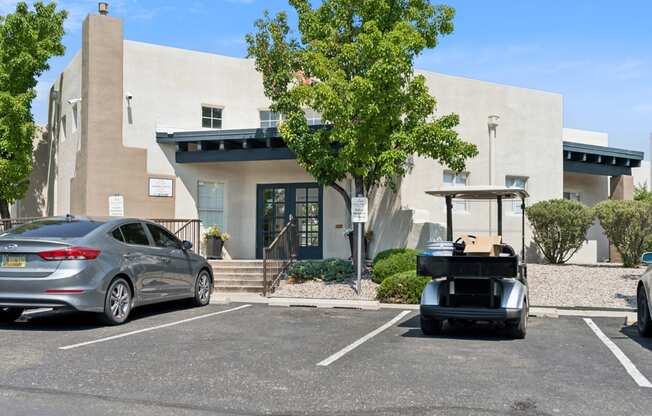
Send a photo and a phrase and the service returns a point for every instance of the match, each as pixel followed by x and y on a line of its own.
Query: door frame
pixel 290 199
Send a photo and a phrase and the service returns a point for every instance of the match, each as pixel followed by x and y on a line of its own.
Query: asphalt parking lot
pixel 254 359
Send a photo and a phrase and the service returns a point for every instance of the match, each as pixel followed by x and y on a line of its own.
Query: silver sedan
pixel 108 266
pixel 643 298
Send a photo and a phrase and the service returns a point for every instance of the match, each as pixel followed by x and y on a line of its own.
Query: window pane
pixel 117 235
pixel 162 238
pixel 206 112
pixel 55 228
pixel 313 194
pixel 217 113
pixel 206 123
pixel 134 233
pixel 217 124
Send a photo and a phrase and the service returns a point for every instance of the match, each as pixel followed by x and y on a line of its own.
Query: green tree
pixel 28 39
pixel 559 227
pixel 354 64
pixel 641 193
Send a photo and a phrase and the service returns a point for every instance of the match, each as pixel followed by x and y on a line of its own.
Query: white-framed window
pixel 314 118
pixel 573 196
pixel 270 119
pixel 452 179
pixel 518 182
pixel 211 117
pixel 210 203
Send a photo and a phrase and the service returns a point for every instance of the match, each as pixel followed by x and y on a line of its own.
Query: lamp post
pixel 492 124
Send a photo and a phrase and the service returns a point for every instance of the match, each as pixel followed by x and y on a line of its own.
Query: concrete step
pixel 234 269
pixel 220 288
pixel 244 263
pixel 231 276
pixel 239 282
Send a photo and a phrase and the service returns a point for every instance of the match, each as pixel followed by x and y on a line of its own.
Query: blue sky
pixel 596 53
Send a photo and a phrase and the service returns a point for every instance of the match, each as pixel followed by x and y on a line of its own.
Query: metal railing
pixel 184 229
pixel 279 255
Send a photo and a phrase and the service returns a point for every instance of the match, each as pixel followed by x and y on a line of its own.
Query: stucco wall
pixel 528 143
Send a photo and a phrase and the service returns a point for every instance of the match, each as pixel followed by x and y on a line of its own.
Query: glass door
pixel 275 205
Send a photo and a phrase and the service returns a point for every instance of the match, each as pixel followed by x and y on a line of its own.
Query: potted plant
pixel 215 239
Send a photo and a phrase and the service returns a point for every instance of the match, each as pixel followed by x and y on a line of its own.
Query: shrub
pixel 387 253
pixel 628 225
pixel 395 262
pixel 328 270
pixel 405 287
pixel 559 227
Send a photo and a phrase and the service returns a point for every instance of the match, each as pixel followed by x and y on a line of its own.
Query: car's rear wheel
pixel 203 289
pixel 8 315
pixel 644 323
pixel 431 326
pixel 117 304
pixel 518 329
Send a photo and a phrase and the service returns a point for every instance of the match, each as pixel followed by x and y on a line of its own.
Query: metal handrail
pixel 279 255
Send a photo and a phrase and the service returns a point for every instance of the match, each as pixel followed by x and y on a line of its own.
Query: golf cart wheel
pixel 644 323
pixel 117 305
pixel 431 326
pixel 518 329
pixel 8 315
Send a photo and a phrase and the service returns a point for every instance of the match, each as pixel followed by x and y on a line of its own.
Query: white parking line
pixel 361 341
pixel 620 355
pixel 126 334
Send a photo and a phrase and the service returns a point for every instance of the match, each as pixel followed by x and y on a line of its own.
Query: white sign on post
pixel 116 206
pixel 359 209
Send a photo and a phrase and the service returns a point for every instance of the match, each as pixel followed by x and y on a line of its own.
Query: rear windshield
pixel 54 229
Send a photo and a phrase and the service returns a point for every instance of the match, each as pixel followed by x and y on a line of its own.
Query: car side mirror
pixel 646 259
pixel 186 245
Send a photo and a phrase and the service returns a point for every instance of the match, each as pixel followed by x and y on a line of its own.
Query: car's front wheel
pixel 643 311
pixel 117 304
pixel 8 315
pixel 203 289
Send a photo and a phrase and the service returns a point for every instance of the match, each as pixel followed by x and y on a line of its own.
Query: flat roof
pixel 480 192
pixel 600 160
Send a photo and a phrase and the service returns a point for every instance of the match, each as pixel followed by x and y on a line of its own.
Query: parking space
pixel 254 359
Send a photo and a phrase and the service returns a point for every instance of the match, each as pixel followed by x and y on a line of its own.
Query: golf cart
pixel 475 285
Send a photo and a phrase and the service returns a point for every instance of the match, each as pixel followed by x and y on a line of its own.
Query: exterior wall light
pixel 103 8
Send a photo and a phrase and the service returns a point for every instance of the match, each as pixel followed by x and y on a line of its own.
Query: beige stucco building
pixel 182 134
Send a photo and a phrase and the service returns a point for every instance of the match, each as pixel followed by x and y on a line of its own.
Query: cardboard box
pixel 482 245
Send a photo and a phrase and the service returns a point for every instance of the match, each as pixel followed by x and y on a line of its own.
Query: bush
pixel 559 227
pixel 396 261
pixel 628 225
pixel 405 287
pixel 387 253
pixel 328 270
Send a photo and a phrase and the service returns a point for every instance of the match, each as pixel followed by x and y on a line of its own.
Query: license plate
pixel 14 262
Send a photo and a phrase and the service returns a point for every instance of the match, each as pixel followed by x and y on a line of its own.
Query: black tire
pixel 203 289
pixel 518 329
pixel 431 326
pixel 118 302
pixel 644 323
pixel 8 315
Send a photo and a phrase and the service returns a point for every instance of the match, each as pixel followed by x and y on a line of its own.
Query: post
pixel 265 271
pixel 449 218
pixel 359 256
pixel 523 259
pixel 499 199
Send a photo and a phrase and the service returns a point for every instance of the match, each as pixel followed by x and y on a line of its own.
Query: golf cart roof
pixel 480 192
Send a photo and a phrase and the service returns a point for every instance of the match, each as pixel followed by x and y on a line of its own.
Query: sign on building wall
pixel 359 209
pixel 160 187
pixel 116 206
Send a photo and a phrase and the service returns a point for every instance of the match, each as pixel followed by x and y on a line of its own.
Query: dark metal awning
pixel 600 160
pixel 227 145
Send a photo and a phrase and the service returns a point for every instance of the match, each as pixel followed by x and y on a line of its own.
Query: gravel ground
pixel 603 286
pixel 323 290
pixel 591 286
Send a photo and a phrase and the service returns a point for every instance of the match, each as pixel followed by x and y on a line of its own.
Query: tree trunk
pixel 345 196
pixel 4 209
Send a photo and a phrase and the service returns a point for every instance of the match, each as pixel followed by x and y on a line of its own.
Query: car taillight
pixel 71 253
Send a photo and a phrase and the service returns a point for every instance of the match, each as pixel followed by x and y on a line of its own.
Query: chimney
pixel 103 8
